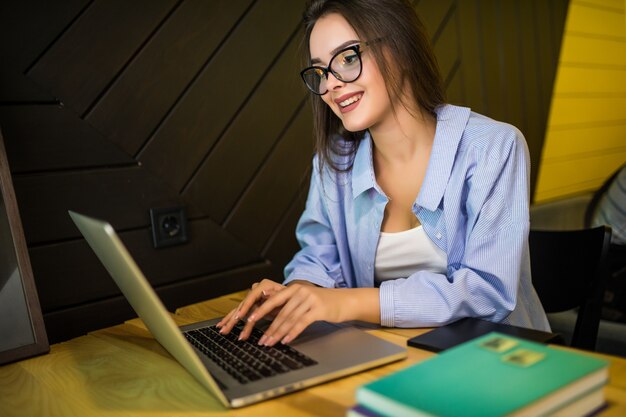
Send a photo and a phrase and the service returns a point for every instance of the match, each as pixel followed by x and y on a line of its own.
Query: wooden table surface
pixel 123 371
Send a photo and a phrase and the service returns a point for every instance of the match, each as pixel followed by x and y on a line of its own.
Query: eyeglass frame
pixel 357 48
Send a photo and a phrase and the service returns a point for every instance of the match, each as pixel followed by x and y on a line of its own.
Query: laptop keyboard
pixel 245 360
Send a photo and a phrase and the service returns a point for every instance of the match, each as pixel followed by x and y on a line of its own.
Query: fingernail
pixel 264 293
pixel 262 340
pixel 285 340
pixel 252 318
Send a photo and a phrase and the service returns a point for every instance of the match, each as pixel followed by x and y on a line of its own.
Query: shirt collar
pixel 363 177
pixel 451 122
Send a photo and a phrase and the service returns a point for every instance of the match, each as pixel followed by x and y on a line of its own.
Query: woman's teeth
pixel 351 100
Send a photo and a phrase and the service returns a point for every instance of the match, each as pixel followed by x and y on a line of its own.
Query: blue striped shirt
pixel 473 204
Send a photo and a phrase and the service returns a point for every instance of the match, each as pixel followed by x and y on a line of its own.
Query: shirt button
pixel 438 235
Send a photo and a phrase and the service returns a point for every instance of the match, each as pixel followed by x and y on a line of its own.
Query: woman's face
pixel 363 103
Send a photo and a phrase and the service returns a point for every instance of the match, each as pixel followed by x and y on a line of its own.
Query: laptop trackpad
pixel 315 331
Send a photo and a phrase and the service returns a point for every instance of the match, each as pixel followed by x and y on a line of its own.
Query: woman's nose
pixel 333 83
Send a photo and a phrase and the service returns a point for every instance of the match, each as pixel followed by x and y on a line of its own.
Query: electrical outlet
pixel 169 226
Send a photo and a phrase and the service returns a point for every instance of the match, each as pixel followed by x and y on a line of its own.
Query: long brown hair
pixel 404 39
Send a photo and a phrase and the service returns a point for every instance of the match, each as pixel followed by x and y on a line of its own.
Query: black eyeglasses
pixel 345 66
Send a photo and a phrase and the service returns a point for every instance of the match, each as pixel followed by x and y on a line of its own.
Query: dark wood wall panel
pixel 77 320
pixel 113 107
pixel 276 100
pixel 447 50
pixel 279 246
pixel 210 250
pixel 492 55
pixel 454 85
pixel 271 191
pixel 533 99
pixel 15 87
pixel 209 107
pixel 43 134
pixel 515 112
pixel 472 62
pixel 28 27
pixel 122 195
pixel 82 62
pixel 137 101
pixel 433 15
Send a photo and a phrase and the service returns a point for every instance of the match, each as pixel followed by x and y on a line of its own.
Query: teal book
pixel 491 376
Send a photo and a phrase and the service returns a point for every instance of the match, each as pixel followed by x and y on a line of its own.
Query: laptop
pixel 238 373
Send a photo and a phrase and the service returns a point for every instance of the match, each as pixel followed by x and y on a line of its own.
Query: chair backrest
pixel 597 195
pixel 569 270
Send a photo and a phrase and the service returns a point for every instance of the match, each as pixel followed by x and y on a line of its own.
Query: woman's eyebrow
pixel 334 51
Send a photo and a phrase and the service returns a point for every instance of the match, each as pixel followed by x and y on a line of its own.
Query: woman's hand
pixel 300 305
pixel 257 295
pixel 296 306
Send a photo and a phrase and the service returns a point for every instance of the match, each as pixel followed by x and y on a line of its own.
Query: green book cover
pixel 493 375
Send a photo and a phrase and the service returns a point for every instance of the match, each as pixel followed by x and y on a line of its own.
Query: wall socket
pixel 169 226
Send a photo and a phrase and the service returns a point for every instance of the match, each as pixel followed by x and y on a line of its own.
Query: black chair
pixel 597 195
pixel 614 305
pixel 569 270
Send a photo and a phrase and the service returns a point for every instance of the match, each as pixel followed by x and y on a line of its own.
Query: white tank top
pixel 403 253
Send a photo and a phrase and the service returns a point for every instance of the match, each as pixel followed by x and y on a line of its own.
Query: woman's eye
pixel 349 59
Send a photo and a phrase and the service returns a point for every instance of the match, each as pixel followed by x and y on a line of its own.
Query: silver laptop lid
pixel 131 281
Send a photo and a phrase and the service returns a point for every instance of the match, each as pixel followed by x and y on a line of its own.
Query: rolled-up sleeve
pixel 318 259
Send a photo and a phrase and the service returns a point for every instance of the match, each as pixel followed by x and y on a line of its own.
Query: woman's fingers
pixel 295 330
pixel 306 304
pixel 294 317
pixel 230 320
pixel 228 317
pixel 293 308
pixel 272 300
pixel 259 293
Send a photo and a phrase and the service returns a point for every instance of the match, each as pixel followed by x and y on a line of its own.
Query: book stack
pixel 491 376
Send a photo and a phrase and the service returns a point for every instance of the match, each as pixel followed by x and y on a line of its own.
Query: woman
pixel 417 213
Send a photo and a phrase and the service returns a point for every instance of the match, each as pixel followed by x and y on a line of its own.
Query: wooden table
pixel 123 371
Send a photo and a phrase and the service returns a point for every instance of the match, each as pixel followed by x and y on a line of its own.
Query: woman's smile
pixel 349 102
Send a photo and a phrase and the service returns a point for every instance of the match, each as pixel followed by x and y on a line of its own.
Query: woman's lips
pixel 349 102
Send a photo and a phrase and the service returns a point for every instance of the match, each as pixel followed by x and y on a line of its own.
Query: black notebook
pixel 469 328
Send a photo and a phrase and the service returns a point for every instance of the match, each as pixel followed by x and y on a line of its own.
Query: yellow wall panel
pixel 617 5
pixel 585 110
pixel 596 51
pixel 571 143
pixel 588 19
pixel 586 135
pixel 591 81
pixel 574 176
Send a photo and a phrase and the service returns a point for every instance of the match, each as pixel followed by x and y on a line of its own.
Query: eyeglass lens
pixel 345 66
